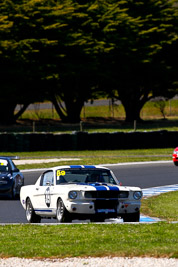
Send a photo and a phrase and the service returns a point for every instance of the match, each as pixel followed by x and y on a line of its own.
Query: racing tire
pixel 176 163
pixel 62 215
pixel 30 213
pixel 13 192
pixel 132 217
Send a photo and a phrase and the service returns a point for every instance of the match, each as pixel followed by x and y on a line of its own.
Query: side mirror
pixel 15 170
pixel 49 184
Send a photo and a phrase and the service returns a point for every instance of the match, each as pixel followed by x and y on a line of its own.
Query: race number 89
pixel 59 173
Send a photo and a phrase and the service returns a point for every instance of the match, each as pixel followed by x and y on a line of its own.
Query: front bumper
pixel 128 207
pixel 175 158
pixel 109 209
pixel 5 189
pixel 5 185
pixel 80 207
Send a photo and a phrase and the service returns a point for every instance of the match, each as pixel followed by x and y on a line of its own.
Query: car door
pixel 42 194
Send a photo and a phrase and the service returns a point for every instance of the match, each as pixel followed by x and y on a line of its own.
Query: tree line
pixel 70 51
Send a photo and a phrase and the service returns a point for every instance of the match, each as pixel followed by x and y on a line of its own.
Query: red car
pixel 175 156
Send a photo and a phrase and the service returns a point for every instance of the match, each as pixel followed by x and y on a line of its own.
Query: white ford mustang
pixel 80 192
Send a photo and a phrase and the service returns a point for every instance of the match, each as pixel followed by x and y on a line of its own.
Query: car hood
pixel 93 187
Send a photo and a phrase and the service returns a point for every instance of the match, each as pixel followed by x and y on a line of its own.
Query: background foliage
pixel 70 51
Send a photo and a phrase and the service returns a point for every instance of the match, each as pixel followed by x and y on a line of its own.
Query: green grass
pixel 94 157
pixel 99 119
pixel 155 240
pixel 90 125
pixel 163 206
pixel 100 124
pixel 95 153
pixel 149 111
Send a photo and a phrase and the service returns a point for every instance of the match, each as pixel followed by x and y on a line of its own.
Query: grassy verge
pixel 163 206
pixel 94 157
pixel 89 161
pixel 156 240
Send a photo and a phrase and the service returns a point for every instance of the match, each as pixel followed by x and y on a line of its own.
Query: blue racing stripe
pixel 89 166
pixel 43 210
pixel 99 187
pixel 113 188
pixel 76 166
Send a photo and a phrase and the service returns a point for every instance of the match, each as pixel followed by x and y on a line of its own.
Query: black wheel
pixel 30 214
pixel 13 192
pixel 62 215
pixel 176 163
pixel 132 217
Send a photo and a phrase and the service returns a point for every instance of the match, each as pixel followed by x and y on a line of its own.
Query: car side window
pixel 12 165
pixel 47 179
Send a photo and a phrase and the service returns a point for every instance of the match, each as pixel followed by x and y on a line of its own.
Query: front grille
pixel 109 194
pixel 106 204
pixel 3 182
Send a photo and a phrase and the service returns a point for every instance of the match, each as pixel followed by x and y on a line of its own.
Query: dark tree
pixel 141 62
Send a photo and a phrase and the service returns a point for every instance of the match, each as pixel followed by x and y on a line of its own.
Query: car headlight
pixel 73 194
pixel 137 195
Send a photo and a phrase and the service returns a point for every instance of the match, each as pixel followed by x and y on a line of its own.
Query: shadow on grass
pixel 90 123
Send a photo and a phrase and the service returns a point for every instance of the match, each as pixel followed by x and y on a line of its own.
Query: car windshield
pixel 3 166
pixel 88 176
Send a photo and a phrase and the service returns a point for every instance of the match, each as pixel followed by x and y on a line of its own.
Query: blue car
pixel 11 179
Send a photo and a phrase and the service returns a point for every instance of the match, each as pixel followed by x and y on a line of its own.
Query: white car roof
pixel 78 167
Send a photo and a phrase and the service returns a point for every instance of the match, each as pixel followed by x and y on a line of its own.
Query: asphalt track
pixel 144 175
